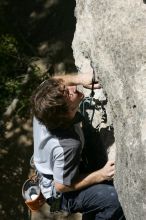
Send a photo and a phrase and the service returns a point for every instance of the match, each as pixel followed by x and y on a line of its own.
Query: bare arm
pixel 84 79
pixel 106 173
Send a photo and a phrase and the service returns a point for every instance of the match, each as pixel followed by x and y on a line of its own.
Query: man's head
pixel 55 104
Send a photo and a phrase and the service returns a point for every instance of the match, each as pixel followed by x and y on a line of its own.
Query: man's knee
pixel 114 210
pixel 106 197
pixel 112 197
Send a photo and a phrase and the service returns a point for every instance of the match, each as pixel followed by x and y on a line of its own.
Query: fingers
pixel 111 162
pixel 110 169
pixel 96 86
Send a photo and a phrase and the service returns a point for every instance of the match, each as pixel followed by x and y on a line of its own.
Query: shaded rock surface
pixel 110 37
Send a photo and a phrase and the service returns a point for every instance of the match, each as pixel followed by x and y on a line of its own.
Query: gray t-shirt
pixel 57 152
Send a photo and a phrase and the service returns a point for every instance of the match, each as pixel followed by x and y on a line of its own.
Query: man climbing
pixel 58 143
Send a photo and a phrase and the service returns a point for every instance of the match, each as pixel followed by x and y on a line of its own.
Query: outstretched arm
pixel 106 173
pixel 84 79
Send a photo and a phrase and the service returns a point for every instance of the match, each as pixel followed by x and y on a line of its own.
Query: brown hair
pixel 49 104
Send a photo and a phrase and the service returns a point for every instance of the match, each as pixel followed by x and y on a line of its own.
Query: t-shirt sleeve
pixel 66 164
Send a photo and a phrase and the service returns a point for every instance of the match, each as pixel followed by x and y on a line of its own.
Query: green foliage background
pixel 14 65
pixel 25 27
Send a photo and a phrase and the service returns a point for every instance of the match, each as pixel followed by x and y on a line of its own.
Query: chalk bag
pixel 32 194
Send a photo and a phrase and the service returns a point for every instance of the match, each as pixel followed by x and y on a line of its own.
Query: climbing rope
pixel 88 102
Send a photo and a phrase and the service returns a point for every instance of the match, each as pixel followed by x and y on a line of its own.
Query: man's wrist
pixel 85 78
pixel 99 177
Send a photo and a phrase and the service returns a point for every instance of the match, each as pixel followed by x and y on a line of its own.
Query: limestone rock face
pixel 111 37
